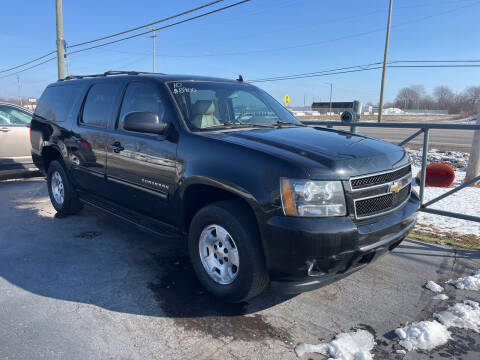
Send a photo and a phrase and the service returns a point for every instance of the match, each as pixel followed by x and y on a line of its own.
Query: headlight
pixel 312 198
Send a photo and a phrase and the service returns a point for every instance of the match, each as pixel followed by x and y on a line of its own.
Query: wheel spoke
pixel 224 274
pixel 222 234
pixel 233 257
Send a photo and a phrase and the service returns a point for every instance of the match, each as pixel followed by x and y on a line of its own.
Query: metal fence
pixel 421 129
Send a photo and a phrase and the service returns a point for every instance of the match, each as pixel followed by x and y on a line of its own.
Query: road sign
pixel 286 99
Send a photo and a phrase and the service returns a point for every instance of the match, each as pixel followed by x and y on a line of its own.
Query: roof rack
pixel 106 73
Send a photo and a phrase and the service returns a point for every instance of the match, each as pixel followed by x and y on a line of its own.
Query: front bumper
pixel 307 253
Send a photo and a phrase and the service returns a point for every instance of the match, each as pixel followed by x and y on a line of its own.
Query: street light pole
pixel 60 42
pixel 153 38
pixel 385 56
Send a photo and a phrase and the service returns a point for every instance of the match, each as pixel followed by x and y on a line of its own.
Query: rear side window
pixel 99 104
pixel 56 102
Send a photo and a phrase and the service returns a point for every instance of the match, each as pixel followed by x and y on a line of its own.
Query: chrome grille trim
pixel 409 183
pixel 374 208
pixel 376 174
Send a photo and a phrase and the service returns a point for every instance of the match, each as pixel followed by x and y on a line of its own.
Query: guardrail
pixel 422 129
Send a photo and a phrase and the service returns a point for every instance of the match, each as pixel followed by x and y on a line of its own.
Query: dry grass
pixel 470 242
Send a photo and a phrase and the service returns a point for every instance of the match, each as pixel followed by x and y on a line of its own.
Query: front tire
pixel 62 194
pixel 226 253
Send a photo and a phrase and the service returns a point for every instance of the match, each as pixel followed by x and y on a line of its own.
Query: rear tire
pixel 62 194
pixel 233 223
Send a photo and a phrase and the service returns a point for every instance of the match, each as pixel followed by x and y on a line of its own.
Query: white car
pixel 15 157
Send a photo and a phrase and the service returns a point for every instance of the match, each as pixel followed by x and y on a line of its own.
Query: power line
pixel 28 68
pixel 316 43
pixel 147 25
pixel 120 33
pixel 160 28
pixel 322 72
pixel 293 77
pixel 436 66
pixel 29 62
pixel 362 68
pixel 433 61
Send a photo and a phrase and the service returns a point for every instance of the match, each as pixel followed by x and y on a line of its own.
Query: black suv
pixel 261 198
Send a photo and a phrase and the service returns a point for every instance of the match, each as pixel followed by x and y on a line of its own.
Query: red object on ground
pixel 438 175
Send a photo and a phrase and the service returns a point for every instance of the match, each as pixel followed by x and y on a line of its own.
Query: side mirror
pixel 144 121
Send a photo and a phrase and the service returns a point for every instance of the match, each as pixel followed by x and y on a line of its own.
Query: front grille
pixel 379 204
pixel 379 179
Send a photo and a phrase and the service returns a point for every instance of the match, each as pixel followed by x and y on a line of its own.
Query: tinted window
pixel 99 104
pixel 56 102
pixel 10 115
pixel 141 97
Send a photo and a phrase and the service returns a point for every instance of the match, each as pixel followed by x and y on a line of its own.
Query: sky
pixel 258 39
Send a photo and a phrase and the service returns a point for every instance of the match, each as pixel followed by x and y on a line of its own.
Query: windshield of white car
pixel 213 105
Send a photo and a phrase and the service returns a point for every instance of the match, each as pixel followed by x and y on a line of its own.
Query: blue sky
pixel 262 38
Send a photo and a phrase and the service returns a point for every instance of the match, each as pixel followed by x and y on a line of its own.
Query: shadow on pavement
pixel 95 259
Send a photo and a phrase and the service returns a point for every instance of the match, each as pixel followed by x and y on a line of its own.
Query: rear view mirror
pixel 144 121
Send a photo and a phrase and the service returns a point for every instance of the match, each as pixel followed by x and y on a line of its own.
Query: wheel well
pixel 48 155
pixel 199 196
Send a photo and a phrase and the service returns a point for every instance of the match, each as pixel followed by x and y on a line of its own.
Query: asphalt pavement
pixel 92 287
pixel 446 140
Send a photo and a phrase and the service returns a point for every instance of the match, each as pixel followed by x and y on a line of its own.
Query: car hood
pixel 324 153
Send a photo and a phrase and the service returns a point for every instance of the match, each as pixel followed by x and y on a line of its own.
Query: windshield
pixel 213 105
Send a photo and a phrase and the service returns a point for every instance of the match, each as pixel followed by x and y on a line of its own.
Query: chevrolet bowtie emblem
pixel 395 187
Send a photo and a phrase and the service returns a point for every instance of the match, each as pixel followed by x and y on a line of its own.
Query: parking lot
pixel 90 286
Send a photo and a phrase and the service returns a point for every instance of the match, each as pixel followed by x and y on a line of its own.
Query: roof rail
pixel 106 73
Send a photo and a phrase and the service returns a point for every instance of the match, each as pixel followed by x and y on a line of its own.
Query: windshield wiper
pixel 279 123
pixel 236 123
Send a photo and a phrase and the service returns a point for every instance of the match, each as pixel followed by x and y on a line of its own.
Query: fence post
pixel 473 168
pixel 424 164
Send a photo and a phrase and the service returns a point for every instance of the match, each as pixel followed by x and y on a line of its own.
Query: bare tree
pixel 473 93
pixel 409 97
pixel 444 96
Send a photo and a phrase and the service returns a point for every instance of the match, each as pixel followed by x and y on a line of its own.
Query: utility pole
pixel 385 57
pixel 19 90
pixel 153 38
pixel 331 92
pixel 60 42
pixel 473 168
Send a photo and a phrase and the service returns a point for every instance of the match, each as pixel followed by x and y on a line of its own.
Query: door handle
pixel 4 129
pixel 117 147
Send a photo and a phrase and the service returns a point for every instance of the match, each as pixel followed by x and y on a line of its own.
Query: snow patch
pixel 346 346
pixel 427 335
pixel 433 286
pixel 466 200
pixel 440 297
pixel 424 335
pixel 393 111
pixel 468 282
pixel 465 316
